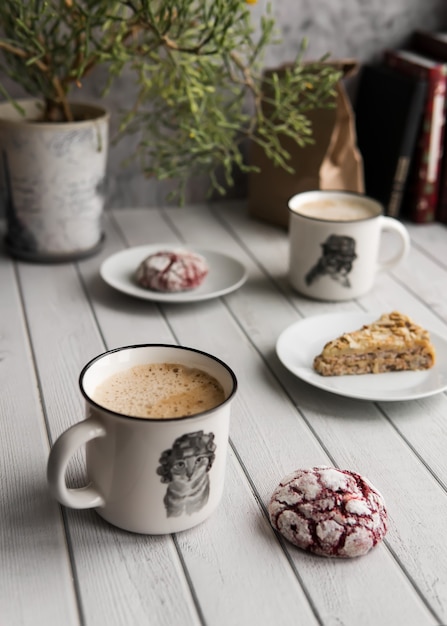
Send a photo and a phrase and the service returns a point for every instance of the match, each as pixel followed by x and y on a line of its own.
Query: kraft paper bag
pixel 332 162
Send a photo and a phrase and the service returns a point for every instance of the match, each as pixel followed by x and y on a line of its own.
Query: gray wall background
pixel 358 29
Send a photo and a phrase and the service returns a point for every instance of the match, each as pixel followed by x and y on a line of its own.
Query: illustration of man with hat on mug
pixel 336 260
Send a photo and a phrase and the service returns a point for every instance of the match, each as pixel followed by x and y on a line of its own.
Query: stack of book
pixel 400 117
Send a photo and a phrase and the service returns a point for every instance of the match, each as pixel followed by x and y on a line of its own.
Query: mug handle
pixel 391 224
pixel 65 446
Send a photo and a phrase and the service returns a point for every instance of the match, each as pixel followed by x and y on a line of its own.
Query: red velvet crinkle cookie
pixel 328 511
pixel 172 270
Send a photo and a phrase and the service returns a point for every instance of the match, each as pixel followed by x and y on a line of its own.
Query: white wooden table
pixel 62 567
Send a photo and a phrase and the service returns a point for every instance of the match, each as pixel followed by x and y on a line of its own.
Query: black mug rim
pixel 98 357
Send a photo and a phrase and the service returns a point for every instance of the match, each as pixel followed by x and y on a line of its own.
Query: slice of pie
pixel 392 343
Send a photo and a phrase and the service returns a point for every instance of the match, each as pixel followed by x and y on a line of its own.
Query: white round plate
pixel 299 344
pixel 225 274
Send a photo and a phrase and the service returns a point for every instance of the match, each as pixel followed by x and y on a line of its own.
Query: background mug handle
pixel 65 446
pixel 391 224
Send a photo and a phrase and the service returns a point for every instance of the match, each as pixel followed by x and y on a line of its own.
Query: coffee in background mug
pixel 156 437
pixel 334 244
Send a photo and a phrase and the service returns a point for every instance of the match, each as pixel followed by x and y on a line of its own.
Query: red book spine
pixel 424 186
pixel 441 213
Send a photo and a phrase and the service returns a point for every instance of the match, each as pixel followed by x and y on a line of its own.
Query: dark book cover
pixel 389 112
pixel 433 44
pixel 422 192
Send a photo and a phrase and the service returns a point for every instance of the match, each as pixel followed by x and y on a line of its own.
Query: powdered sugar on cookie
pixel 329 512
pixel 172 270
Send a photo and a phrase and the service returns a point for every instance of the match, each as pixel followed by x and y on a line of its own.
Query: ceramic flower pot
pixel 52 180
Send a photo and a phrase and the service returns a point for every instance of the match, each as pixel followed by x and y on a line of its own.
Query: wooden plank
pixel 263 428
pixel 424 274
pixel 237 576
pixel 415 475
pixel 121 578
pixel 35 575
pixel 211 563
pixel 116 312
pixel 430 238
pixel 236 570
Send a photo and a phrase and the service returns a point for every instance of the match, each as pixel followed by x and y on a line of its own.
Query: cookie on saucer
pixel 172 271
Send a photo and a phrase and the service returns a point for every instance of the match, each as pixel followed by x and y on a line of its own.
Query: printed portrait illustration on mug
pixel 334 244
pixel 155 436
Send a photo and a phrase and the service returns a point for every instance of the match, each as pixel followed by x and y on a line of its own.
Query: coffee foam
pixel 159 390
pixel 336 209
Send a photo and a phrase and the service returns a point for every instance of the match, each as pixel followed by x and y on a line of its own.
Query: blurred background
pixel 358 29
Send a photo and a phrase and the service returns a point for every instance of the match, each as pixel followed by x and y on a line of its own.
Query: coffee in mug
pixel 159 390
pixel 336 209
pixel 334 243
pixel 156 438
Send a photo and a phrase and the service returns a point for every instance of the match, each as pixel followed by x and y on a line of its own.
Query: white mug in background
pixel 334 244
pixel 147 475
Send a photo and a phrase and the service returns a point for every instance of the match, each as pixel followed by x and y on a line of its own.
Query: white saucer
pixel 301 342
pixel 225 274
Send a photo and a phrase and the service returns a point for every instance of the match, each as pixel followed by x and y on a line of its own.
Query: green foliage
pixel 198 70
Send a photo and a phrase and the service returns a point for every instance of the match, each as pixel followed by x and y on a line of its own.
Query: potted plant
pixel 200 92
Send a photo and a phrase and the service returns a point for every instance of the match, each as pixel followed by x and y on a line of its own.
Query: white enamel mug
pixel 130 460
pixel 334 244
